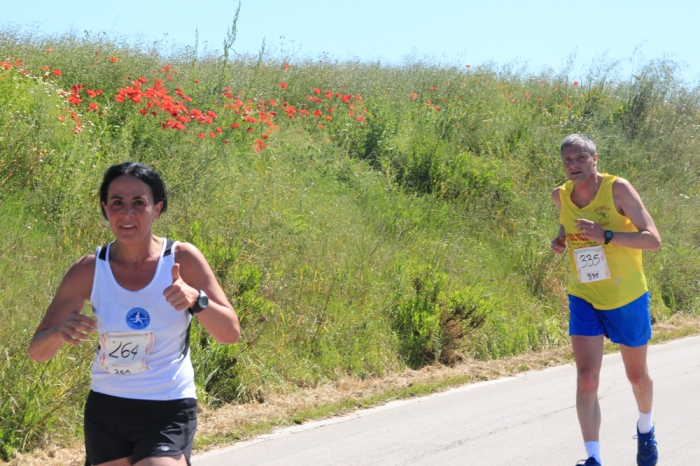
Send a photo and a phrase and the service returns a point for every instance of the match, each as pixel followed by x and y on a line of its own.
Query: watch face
pixel 203 300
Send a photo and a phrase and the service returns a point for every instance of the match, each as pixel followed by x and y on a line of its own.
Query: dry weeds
pixel 279 408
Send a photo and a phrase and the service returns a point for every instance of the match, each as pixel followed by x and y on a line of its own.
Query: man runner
pixel 606 226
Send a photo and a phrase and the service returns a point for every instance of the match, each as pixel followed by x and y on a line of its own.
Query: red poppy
pixel 113 59
pixel 360 118
pixel 317 113
pixel 285 67
pixel 468 66
pixel 329 118
pixel 320 126
pixel 201 135
pixel 527 95
pixel 92 107
pixel 57 72
pixel 212 135
pixel 569 105
pixel 512 101
pixel 49 50
pixel 317 91
pixel 264 136
pixel 250 130
pixel 575 83
pixel 91 93
pixel 329 94
pixel 283 85
pixel 433 89
pixel 219 130
pixel 225 141
pixel 235 125
pixel 414 96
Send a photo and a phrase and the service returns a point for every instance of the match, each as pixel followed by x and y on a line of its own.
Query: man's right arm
pixel 558 243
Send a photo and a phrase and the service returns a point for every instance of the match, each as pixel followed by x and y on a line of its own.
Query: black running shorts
pixel 120 427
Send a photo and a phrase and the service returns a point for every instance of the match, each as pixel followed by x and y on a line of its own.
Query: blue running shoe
pixel 589 462
pixel 647 455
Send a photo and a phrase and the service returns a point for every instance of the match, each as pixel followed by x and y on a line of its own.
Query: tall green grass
pixel 420 234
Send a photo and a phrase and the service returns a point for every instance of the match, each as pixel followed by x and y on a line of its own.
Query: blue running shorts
pixel 629 325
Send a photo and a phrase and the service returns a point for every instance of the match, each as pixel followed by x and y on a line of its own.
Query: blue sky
pixel 538 33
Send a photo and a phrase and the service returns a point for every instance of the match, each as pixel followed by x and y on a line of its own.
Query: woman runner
pixel 144 290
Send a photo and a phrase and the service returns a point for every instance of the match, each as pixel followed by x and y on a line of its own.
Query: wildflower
pixel 569 105
pixel 429 102
pixel 320 126
pixel 250 120
pixel 201 135
pixel 196 81
pixel 329 118
pixel 212 135
pixel 414 96
pixel 91 93
pixel 57 72
pixel 512 101
pixel 235 125
pixel 225 141
pixel 329 94
pixel 166 68
pixel 360 118
pixel 283 85
pixel 250 130
pixel 264 136
pixel 113 59
pixel 317 113
pixel 468 66
pixel 433 89
pixel 219 130
pixel 49 50
pixel 575 83
pixel 317 91
pixel 527 95
pixel 285 67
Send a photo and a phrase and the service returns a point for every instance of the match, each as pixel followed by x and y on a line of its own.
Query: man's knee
pixel 588 380
pixel 639 378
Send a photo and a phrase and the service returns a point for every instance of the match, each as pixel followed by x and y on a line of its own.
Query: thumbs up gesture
pixel 180 295
pixel 76 327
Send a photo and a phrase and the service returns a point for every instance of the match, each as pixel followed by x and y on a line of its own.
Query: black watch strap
pixel 608 236
pixel 201 303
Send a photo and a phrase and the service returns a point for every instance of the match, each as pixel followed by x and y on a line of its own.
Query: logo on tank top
pixel 138 318
pixel 602 215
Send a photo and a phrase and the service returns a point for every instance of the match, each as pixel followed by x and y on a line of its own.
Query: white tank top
pixel 144 342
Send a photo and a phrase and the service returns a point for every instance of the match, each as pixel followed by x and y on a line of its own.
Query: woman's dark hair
pixel 137 170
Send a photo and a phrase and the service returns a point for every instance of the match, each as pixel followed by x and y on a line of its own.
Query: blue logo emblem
pixel 138 318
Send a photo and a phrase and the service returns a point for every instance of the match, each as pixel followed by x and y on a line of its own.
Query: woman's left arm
pixel 192 273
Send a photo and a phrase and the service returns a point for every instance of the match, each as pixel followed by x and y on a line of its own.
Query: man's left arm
pixel 629 204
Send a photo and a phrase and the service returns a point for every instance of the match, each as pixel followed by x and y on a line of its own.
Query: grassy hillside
pixel 361 217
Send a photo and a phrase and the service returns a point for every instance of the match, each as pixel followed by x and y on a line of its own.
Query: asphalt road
pixel 528 419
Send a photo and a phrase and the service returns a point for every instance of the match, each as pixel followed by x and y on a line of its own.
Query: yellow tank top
pixel 627 281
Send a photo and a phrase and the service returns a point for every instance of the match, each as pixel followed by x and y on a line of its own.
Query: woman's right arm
pixel 63 321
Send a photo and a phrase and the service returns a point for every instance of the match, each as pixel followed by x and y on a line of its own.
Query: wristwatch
pixel 201 303
pixel 608 236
